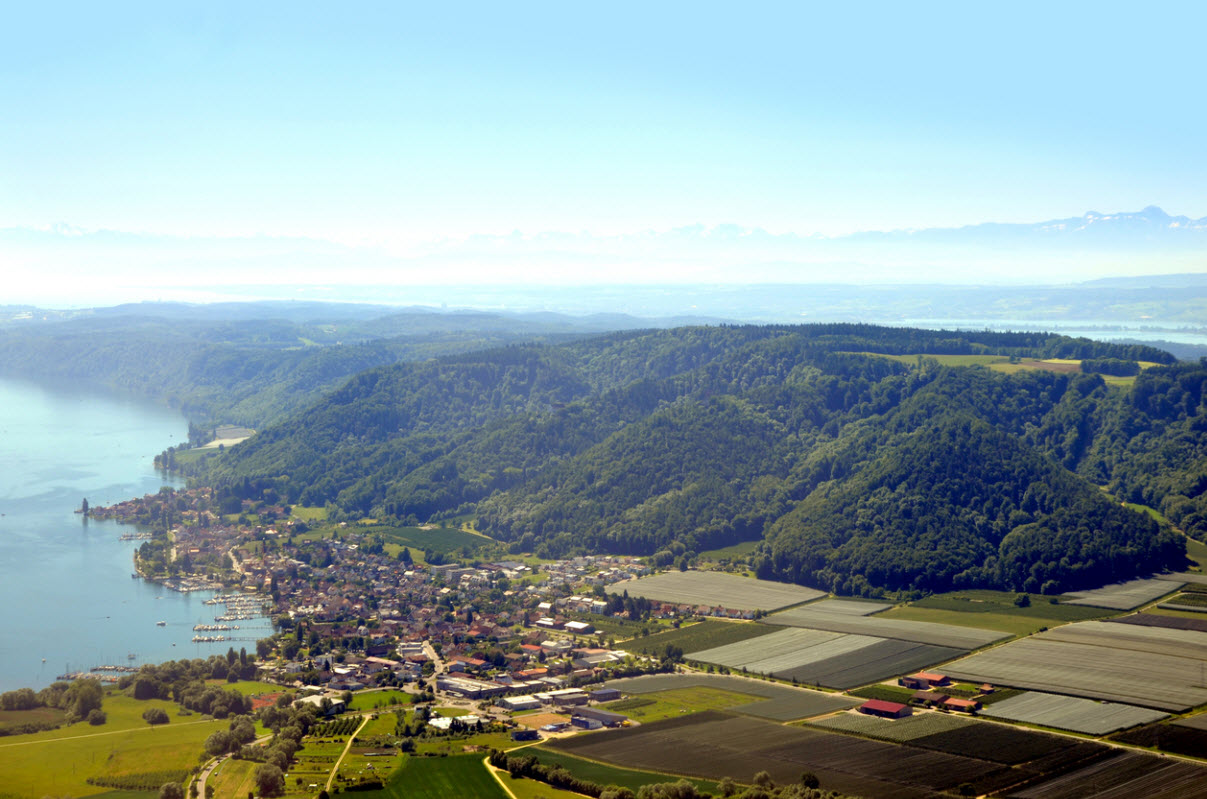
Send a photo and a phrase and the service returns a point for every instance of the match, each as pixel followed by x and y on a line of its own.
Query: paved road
pixel 209 769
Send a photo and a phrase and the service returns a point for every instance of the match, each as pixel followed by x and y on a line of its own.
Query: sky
pixel 300 141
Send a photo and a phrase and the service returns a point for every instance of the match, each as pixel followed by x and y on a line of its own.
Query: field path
pixel 335 769
pixel 494 772
pixel 98 734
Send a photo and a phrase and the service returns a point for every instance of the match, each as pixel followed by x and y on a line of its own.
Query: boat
pixel 161 624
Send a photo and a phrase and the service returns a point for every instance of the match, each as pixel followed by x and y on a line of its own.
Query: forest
pixel 253 363
pixel 860 474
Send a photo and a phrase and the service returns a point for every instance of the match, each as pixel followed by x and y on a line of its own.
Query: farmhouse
pixel 962 705
pixel 924 680
pixel 884 709
pixel 928 698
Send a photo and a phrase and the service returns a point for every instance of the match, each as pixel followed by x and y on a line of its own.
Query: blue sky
pixel 389 127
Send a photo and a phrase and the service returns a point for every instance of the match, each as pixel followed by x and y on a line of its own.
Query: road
pixel 335 769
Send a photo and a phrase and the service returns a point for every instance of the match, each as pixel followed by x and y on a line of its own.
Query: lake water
pixel 66 594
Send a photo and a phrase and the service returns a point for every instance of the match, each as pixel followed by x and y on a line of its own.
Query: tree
pixel 219 743
pixel 809 779
pixel 243 730
pixel 82 698
pixel 155 715
pixel 84 506
pixel 763 780
pixel 270 780
pixel 97 717
pixel 171 790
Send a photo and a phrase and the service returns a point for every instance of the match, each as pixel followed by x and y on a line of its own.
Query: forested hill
pixel 863 473
pixel 254 363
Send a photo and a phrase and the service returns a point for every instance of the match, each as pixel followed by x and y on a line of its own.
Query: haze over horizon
pixel 151 151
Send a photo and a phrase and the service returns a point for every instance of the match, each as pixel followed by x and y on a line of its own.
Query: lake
pixel 68 600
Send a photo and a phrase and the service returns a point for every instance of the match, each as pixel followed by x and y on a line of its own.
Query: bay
pixel 67 599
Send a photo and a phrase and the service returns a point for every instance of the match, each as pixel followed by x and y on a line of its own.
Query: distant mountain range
pixel 63 266
pixel 1151 226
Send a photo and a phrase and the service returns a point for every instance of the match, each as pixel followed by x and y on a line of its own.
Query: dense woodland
pixel 862 474
pixel 253 363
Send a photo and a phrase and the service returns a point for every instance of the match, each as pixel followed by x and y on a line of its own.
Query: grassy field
pixel 623 629
pixel 236 778
pixel 58 762
pixel 678 702
pixel 604 774
pixel 438 539
pixel 698 637
pixel 1197 551
pixel 440 777
pixel 733 552
pixel 247 687
pixel 371 700
pixel 39 715
pixel 889 693
pixel 456 746
pixel 945 360
pixel 994 610
pixel 532 789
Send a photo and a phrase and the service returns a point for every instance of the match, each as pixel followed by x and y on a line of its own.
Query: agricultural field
pixel 848 607
pixel 993 610
pixel 1198 722
pixel 1124 775
pixel 315 760
pixel 943 635
pixel 771 700
pixel 716 589
pixel 903 730
pixel 1176 738
pixel 1071 713
pixel 716 745
pixel 889 693
pixel 439 778
pixel 677 702
pixel 961 735
pixel 604 774
pixel 58 762
pixel 1162 620
pixel 706 634
pixel 1124 596
pixel 1153 667
pixel 832 660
